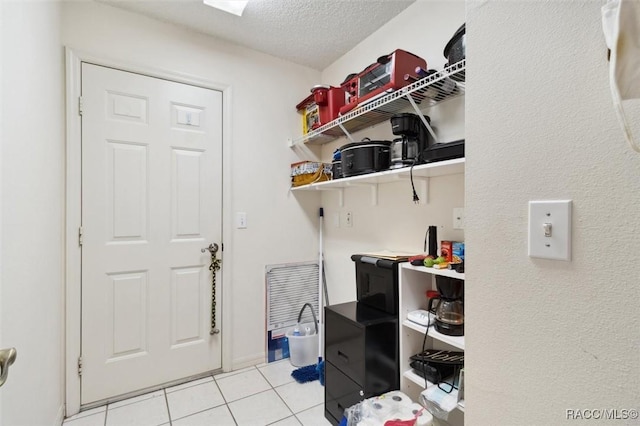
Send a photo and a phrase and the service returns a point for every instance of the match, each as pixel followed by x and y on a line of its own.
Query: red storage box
pixel 320 107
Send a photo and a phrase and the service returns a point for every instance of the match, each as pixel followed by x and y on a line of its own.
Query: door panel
pixel 151 199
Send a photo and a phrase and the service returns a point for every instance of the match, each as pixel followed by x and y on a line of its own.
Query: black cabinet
pixel 361 356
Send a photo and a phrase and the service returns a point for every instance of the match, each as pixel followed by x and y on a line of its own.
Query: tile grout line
pixel 226 404
pixel 279 396
pixel 166 401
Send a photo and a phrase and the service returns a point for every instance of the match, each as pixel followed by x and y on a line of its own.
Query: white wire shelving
pixel 429 91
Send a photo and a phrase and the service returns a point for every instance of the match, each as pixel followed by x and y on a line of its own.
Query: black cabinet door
pixel 345 346
pixel 340 392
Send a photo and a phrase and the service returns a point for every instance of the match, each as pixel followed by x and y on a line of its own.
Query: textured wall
pixel 32 189
pixel 546 336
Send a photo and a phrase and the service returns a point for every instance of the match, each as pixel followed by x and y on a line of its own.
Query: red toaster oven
pixel 386 75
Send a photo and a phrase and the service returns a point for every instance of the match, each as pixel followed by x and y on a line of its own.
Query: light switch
pixel 550 229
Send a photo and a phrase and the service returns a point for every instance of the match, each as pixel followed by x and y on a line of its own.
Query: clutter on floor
pixel 389 409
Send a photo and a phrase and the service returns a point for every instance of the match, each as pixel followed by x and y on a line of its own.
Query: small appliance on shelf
pixel 384 76
pixel 444 151
pixel 448 306
pixel 363 157
pixel 415 138
pixel 320 107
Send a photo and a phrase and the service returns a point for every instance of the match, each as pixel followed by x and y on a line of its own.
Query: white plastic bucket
pixel 303 350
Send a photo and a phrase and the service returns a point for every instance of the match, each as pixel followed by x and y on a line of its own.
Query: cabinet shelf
pixel 427 92
pixel 455 341
pixel 440 168
pixel 444 272
pixel 409 374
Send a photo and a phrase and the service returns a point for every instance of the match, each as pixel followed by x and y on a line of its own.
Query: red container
pixel 321 107
pixel 350 86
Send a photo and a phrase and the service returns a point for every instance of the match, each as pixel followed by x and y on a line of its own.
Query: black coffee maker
pixel 408 149
pixel 449 309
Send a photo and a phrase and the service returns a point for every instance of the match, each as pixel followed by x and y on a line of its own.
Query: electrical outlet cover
pixel 458 218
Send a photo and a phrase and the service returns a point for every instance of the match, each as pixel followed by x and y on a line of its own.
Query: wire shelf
pixel 426 92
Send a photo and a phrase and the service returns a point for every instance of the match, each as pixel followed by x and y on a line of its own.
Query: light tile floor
pixel 256 396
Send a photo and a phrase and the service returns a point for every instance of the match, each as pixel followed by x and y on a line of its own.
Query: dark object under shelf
pixel 361 356
pixel 444 151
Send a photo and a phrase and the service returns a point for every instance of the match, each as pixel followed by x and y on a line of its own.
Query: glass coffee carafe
pixel 449 306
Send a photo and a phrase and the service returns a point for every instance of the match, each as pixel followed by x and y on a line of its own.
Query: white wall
pixel 396 223
pixel 32 212
pixel 546 336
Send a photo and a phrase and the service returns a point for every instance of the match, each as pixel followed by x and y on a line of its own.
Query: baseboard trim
pixel 60 416
pixel 248 361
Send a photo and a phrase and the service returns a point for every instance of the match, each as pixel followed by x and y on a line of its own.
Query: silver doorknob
pixel 213 249
pixel 7 358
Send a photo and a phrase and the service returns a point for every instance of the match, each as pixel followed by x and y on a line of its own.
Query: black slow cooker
pixel 455 50
pixel 365 157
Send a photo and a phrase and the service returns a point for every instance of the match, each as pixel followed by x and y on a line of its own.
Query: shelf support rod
pixel 424 120
pixel 346 132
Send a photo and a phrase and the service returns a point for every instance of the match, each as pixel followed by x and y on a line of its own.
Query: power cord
pixel 416 199
pixel 424 342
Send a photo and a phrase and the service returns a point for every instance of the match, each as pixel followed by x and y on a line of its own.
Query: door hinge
pixel 80 366
pixel 80 105
pixel 80 234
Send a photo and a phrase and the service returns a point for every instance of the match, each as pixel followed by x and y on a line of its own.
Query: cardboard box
pixel 446 250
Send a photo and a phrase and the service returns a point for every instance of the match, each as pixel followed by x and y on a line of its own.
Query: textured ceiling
pixel 308 32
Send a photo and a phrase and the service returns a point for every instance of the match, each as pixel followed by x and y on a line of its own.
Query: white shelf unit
pixel 421 174
pixel 414 281
pixel 424 93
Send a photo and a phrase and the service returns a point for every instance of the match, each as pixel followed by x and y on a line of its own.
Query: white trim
pixel 74 58
pixel 248 361
pixel 60 416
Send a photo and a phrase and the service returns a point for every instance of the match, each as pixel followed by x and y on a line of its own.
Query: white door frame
pixel 73 265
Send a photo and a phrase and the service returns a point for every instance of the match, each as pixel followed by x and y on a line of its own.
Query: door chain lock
pixel 215 266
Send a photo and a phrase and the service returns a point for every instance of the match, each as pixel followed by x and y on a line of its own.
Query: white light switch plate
pixel 556 215
pixel 241 220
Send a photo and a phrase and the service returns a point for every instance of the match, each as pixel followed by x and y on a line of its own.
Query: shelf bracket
pixel 303 149
pixel 424 120
pixel 341 197
pixel 373 188
pixel 346 132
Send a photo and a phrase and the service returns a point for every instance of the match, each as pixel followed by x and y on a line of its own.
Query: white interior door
pixel 151 199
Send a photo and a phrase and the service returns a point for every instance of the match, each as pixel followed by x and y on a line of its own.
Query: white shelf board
pixel 439 168
pixel 409 374
pixel 444 272
pixel 455 341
